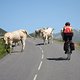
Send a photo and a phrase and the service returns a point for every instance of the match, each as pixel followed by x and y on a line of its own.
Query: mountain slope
pixel 2 32
pixel 76 37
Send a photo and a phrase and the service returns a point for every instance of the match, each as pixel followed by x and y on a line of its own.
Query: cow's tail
pixel 24 31
pixel 30 36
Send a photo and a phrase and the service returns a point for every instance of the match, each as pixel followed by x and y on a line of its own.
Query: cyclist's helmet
pixel 67 24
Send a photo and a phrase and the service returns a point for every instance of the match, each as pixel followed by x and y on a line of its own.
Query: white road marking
pixel 35 77
pixel 42 50
pixel 42 56
pixel 40 47
pixel 40 66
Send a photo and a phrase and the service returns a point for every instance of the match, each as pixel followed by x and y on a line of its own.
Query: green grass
pixel 78 46
pixel 2 49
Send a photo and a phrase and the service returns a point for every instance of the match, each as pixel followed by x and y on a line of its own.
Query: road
pixel 40 62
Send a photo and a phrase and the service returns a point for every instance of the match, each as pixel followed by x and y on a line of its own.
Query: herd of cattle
pixel 21 35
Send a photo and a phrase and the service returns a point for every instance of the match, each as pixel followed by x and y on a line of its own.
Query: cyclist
pixel 67 34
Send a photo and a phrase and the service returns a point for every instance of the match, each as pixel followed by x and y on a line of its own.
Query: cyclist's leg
pixel 70 51
pixel 70 39
pixel 65 43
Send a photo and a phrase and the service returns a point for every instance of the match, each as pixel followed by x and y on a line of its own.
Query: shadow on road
pixel 57 59
pixel 15 52
pixel 39 44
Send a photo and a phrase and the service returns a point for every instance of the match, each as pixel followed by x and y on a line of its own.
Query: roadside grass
pixel 4 53
pixel 59 41
pixel 2 49
pixel 77 45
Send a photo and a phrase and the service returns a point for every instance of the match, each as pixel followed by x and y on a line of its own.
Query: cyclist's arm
pixel 72 31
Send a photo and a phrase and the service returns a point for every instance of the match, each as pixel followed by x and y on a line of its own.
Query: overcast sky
pixel 33 14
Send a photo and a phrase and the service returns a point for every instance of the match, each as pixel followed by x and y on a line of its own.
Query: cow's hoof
pixel 21 50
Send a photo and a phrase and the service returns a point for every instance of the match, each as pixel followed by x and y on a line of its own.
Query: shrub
pixel 2 49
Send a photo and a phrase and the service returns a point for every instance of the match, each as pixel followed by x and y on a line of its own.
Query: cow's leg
pixel 23 45
pixel 44 40
pixel 11 48
pixel 52 38
pixel 7 47
pixel 48 40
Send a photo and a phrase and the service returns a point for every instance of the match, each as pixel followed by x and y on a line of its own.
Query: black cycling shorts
pixel 67 36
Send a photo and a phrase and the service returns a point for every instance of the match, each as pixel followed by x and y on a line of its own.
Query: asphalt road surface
pixel 40 62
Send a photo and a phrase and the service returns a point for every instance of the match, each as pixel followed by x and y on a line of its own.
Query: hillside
pixel 76 37
pixel 2 32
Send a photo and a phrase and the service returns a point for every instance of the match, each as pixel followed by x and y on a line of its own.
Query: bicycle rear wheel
pixel 69 52
pixel 69 56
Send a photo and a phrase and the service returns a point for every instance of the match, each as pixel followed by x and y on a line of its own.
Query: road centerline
pixel 42 57
pixel 35 77
pixel 40 65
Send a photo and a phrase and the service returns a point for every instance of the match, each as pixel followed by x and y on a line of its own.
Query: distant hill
pixel 32 34
pixel 57 36
pixel 2 32
pixel 76 37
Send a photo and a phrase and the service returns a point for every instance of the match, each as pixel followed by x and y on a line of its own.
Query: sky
pixel 34 14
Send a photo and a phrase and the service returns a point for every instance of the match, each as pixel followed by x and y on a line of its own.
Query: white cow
pixel 47 34
pixel 14 37
pixel 38 32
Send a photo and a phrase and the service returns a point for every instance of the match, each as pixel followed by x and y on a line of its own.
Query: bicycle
pixel 68 49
